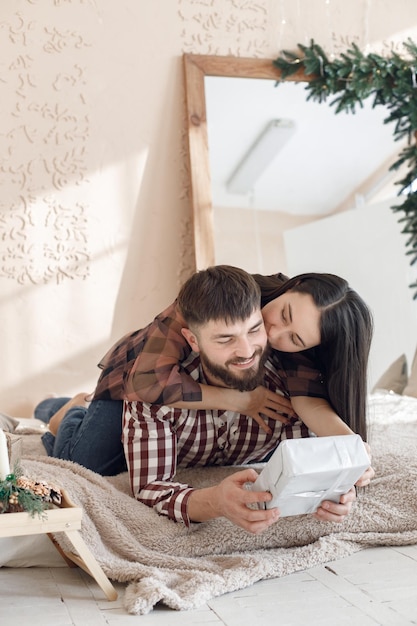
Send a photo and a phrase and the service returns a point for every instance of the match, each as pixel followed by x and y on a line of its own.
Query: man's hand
pixel 366 478
pixel 230 499
pixel 264 402
pixel 336 512
pixel 333 512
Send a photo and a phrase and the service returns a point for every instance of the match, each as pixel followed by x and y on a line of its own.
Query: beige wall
pixel 95 228
pixel 254 239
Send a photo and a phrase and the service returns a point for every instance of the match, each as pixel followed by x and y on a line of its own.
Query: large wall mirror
pixel 320 164
pixel 326 164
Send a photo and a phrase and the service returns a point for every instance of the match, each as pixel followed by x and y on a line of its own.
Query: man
pixel 220 317
pixel 224 327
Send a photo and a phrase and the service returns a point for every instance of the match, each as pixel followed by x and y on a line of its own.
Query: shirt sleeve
pixel 156 375
pixel 151 454
pixel 145 366
pixel 300 373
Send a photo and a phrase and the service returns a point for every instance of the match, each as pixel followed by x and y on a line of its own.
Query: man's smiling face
pixel 232 353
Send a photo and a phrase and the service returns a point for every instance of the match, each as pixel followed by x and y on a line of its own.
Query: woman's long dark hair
pixel 346 328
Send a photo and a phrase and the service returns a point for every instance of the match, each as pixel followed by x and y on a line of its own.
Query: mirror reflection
pixel 334 167
pixel 278 161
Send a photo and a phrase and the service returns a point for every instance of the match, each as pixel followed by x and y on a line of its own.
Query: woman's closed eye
pixel 296 341
pixel 294 338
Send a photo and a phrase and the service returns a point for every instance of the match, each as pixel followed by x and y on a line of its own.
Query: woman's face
pixel 292 322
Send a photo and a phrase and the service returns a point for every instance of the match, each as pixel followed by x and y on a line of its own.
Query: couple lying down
pixel 235 365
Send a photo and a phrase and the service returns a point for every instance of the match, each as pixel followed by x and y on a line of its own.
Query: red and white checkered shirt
pixel 158 439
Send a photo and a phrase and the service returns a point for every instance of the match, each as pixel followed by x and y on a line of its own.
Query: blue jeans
pixel 90 436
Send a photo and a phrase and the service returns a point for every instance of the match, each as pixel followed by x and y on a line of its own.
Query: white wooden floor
pixel 373 587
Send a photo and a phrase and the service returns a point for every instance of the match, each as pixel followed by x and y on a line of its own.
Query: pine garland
pixel 354 77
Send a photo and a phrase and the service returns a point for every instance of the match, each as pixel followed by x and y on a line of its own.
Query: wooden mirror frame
pixel 196 67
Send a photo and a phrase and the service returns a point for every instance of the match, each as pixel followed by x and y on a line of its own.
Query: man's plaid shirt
pixel 159 439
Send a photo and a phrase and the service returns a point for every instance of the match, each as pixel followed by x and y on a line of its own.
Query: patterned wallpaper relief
pixel 207 28
pixel 45 132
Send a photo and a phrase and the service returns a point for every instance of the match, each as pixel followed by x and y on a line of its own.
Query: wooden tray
pixel 67 519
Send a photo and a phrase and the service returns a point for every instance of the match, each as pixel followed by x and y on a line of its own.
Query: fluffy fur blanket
pixel 163 561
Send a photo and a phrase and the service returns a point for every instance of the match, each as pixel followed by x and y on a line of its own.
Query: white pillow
pixel 7 423
pixel 395 377
pixel 411 386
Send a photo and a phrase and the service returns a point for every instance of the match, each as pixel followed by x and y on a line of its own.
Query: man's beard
pixel 248 379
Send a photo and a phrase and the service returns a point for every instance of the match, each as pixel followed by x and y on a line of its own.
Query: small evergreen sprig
pixel 19 493
pixel 352 78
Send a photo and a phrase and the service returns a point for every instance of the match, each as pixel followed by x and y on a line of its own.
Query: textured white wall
pixel 366 247
pixel 95 228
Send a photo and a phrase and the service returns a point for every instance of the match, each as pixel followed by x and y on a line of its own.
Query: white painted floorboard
pixel 374 587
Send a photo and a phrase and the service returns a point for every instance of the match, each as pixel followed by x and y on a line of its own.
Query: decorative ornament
pixel 392 82
pixel 19 493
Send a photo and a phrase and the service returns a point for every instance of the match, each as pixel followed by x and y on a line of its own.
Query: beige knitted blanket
pixel 163 561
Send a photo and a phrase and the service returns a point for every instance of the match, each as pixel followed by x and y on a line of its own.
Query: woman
pixel 345 334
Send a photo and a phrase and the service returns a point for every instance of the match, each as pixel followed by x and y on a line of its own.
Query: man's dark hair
pixel 221 292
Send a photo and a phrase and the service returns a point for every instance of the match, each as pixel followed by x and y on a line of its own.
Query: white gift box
pixel 303 472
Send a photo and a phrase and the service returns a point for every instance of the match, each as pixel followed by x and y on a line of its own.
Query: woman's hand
pixel 261 403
